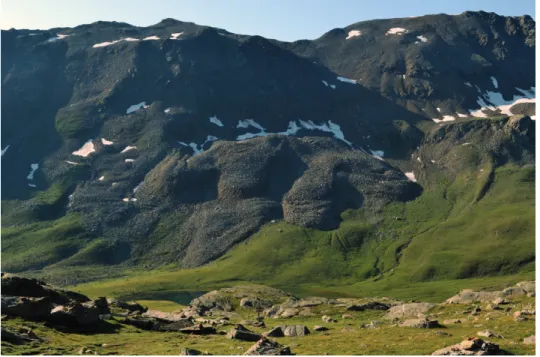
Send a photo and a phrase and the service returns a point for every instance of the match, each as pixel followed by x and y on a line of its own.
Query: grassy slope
pixel 450 239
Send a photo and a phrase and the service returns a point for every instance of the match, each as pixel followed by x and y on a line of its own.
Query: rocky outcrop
pixel 288 331
pixel 420 323
pixel 470 347
pixel 374 305
pixel 469 296
pixel 408 310
pixel 266 347
pixel 326 318
pixel 20 337
pixel 128 307
pixel 13 285
pixel 241 333
pixel 34 308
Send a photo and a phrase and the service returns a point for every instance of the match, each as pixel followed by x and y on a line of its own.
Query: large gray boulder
pixel 420 323
pixel 34 308
pixel 408 310
pixel 470 347
pixel 266 347
pixel 241 333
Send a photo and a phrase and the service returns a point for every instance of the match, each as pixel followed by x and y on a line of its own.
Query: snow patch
pixel 462 115
pixel 167 110
pixel 129 160
pixel 4 150
pixel 419 159
pixel 325 83
pixel 150 38
pixel 468 84
pixel 333 86
pixel 346 80
pixel 433 161
pixel 128 148
pixel 174 36
pixel 101 178
pixel 353 33
pixel 216 121
pixel 57 37
pixel 72 162
pixel 495 83
pixel 196 149
pixel 86 149
pixel 329 128
pixel 32 185
pixel 396 31
pixel 108 43
pixel 249 122
pixel 291 130
pixel 410 176
pixel 106 142
pixel 422 38
pixel 533 117
pixel 379 153
pixel 33 169
pixel 136 107
pixel 250 135
pixel 444 119
pixel 125 199
pixel 494 101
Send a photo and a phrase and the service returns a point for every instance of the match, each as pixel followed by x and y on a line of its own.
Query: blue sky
pixel 286 20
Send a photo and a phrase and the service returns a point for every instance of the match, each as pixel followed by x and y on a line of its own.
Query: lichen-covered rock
pixel 266 347
pixel 241 333
pixel 408 310
pixel 470 347
pixel 420 323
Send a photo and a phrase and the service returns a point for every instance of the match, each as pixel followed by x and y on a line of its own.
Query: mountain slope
pixel 169 144
pixel 438 66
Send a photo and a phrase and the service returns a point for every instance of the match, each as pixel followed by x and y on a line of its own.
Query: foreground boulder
pixel 33 308
pixel 327 318
pixel 76 313
pixel 166 317
pixel 470 347
pixel 199 329
pixel 19 337
pixel 408 310
pixel 129 307
pixel 469 296
pixel 32 299
pixel 288 331
pixel 266 347
pixel 241 333
pixel 420 323
pixel 295 330
pixel 13 285
pixel 373 305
